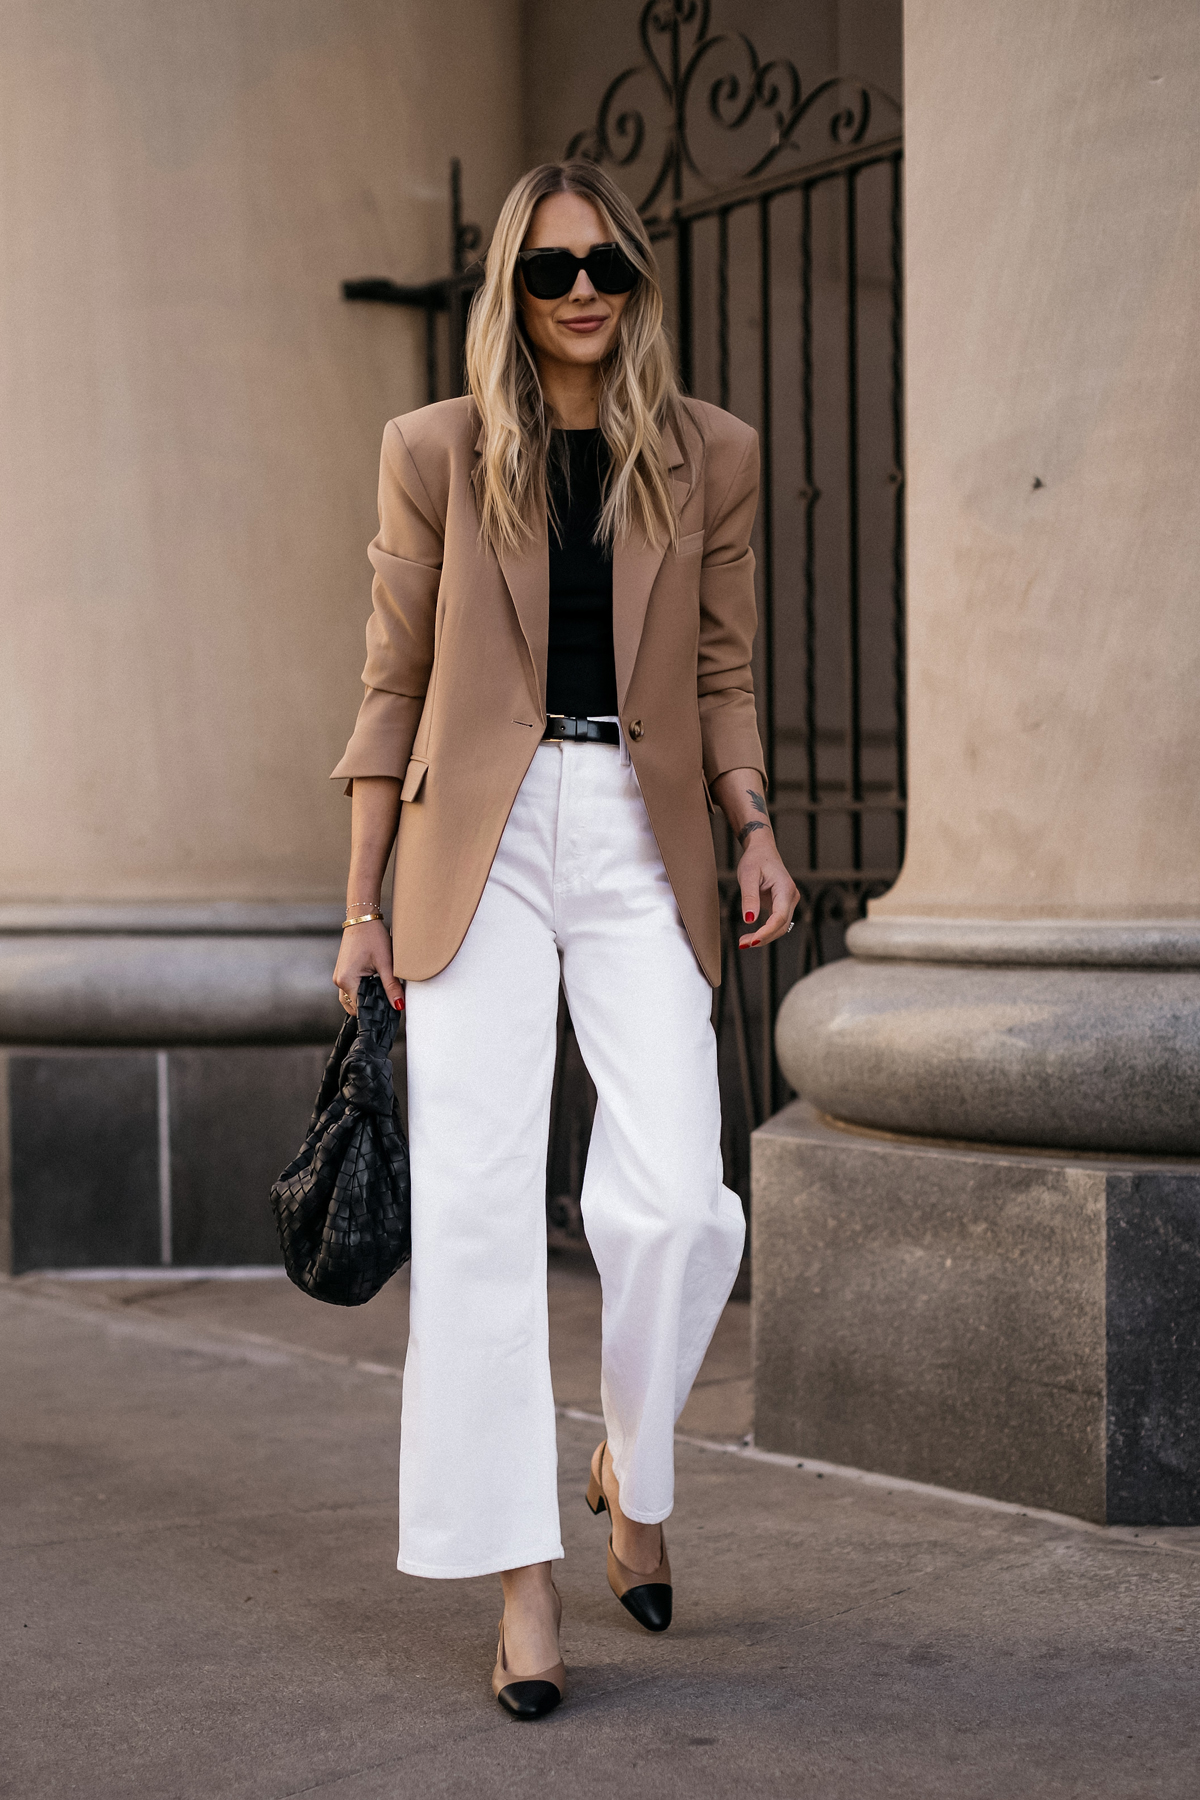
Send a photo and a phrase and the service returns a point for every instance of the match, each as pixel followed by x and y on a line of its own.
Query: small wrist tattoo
pixel 754 825
pixel 756 801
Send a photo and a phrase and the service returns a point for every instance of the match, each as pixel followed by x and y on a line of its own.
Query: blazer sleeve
pixel 728 620
pixel 407 559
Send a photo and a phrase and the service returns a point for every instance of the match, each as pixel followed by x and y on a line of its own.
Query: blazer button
pixel 635 729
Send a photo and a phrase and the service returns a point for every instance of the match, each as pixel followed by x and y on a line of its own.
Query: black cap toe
pixel 650 1605
pixel 529 1699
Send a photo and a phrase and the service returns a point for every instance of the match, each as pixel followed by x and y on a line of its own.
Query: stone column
pixel 189 447
pixel 1028 1324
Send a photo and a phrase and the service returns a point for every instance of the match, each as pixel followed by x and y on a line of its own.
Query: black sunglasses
pixel 549 274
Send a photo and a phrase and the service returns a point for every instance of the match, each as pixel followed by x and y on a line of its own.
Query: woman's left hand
pixel 768 889
pixel 762 874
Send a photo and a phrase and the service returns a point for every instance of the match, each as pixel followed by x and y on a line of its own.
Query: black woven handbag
pixel 342 1207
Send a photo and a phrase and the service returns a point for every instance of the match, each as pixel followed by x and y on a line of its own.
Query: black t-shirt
pixel 581 676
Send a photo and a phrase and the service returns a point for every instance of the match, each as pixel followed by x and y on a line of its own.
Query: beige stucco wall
pixel 1053 267
pixel 191 416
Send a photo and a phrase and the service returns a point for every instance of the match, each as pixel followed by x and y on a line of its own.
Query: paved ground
pixel 200 1599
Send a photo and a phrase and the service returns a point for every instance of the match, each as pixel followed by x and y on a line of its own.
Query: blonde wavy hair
pixel 638 394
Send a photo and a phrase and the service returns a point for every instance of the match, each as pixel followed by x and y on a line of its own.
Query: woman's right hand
pixel 366 950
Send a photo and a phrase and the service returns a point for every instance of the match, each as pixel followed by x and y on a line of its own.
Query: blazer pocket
pixel 692 545
pixel 414 777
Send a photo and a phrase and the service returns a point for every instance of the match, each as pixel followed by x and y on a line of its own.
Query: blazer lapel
pixel 635 566
pixel 527 574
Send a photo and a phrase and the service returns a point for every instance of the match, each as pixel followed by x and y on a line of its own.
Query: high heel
pixel 528 1696
pixel 648 1598
pixel 595 1493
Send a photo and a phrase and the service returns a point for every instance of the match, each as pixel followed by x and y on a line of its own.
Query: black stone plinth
pixel 238 1116
pixel 1152 1347
pixel 128 1158
pixel 83 1158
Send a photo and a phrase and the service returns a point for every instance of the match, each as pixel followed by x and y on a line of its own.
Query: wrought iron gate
pixel 784 280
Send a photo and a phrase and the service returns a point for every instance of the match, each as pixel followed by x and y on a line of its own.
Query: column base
pixel 1008 1323
pixel 1076 1058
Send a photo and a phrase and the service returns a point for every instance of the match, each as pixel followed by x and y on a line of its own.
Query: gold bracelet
pixel 367 905
pixel 365 919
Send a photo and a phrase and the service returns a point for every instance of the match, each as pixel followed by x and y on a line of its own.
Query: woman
pixel 558 678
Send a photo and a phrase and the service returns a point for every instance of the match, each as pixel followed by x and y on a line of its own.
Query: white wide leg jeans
pixel 577 893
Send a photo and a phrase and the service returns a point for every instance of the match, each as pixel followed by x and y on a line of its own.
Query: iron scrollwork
pixel 828 907
pixel 718 77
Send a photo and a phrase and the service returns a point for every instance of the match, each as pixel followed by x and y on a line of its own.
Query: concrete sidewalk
pixel 198 1488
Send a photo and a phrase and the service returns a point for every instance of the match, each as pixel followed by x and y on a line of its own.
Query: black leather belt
pixel 564 730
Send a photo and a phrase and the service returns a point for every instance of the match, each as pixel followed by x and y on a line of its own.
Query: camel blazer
pixel 456 669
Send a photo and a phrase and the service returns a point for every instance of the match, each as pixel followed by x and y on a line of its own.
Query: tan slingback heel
pixel 595 1493
pixel 647 1597
pixel 528 1696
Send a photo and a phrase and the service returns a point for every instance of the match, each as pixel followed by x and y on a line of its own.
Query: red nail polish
pixel 755 942
pixel 399 1005
pixel 749 918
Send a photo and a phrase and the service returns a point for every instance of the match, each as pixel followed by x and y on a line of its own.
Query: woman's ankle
pixel 638 1546
pixel 530 1585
